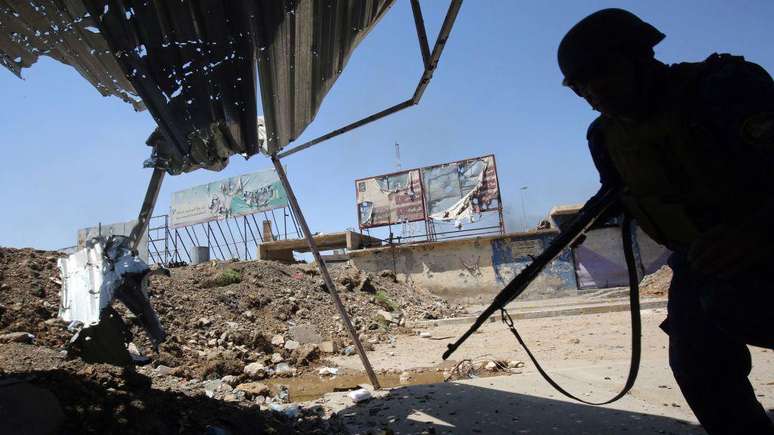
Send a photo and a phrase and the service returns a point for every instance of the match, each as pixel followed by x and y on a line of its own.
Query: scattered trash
pixel 425 334
pixel 349 350
pixel 360 395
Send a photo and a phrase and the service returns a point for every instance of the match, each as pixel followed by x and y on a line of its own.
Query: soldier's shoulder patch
pixel 758 129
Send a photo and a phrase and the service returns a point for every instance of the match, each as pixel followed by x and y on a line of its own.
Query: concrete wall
pixel 474 269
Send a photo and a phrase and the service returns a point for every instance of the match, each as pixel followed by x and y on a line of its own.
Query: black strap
pixel 634 301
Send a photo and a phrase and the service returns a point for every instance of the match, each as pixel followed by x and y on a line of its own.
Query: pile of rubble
pixel 657 283
pixel 234 330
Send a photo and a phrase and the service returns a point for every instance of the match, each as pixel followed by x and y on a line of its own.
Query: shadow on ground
pixel 100 402
pixel 464 409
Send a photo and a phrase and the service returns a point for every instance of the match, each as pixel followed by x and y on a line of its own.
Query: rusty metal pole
pixel 324 271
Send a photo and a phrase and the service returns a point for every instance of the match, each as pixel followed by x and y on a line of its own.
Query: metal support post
pixel 147 208
pixel 324 271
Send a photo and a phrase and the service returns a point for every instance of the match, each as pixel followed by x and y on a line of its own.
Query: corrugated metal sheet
pixel 193 63
pixel 66 32
pixel 304 47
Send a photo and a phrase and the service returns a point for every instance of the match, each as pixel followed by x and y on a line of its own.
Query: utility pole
pixel 523 208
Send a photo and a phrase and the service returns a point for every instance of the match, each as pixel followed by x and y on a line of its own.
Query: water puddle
pixel 312 386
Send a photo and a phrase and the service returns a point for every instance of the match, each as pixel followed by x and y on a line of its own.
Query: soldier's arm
pixel 608 176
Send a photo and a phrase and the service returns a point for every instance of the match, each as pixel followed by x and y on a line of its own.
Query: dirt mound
pixel 29 295
pixel 229 325
pixel 101 399
pixel 222 315
pixel 657 283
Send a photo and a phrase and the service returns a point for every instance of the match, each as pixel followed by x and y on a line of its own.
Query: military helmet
pixel 586 46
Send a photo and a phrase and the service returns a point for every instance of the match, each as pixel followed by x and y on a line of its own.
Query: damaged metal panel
pixel 193 63
pixel 304 46
pixel 102 271
pixel 67 32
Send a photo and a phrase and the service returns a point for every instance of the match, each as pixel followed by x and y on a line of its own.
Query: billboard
pixel 232 197
pixel 448 192
pixel 390 199
pixel 458 190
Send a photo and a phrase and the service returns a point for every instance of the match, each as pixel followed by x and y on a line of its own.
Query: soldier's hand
pixel 726 251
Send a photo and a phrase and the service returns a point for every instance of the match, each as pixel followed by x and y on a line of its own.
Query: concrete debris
pixel 278 340
pixel 328 347
pixel 306 353
pixel 284 370
pixel 360 395
pixel 305 334
pixel 276 358
pixel 328 371
pixel 163 370
pixel 255 370
pixel 292 345
pixel 17 337
pixel 252 389
pixel 230 379
pixel 385 315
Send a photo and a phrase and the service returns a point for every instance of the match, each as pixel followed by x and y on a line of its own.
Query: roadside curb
pixel 575 311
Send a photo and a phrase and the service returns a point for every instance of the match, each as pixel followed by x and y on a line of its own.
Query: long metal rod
pixel 421 32
pixel 324 272
pixel 427 75
pixel 257 228
pixel 225 241
pixel 148 204
pixel 440 43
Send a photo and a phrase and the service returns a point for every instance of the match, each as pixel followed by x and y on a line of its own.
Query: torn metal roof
pixel 193 63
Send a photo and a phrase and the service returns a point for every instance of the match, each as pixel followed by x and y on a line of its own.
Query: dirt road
pixel 588 354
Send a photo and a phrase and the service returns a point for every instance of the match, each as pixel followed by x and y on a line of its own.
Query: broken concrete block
pixel 253 389
pixel 306 353
pixel 305 334
pixel 284 369
pixel 230 379
pixel 255 370
pixel 278 340
pixel 328 347
pixel 292 345
pixel 385 316
pixel 276 358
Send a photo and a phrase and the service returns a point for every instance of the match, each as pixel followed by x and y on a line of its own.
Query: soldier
pixel 692 145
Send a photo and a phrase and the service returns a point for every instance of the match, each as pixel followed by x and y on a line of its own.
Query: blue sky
pixel 73 158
